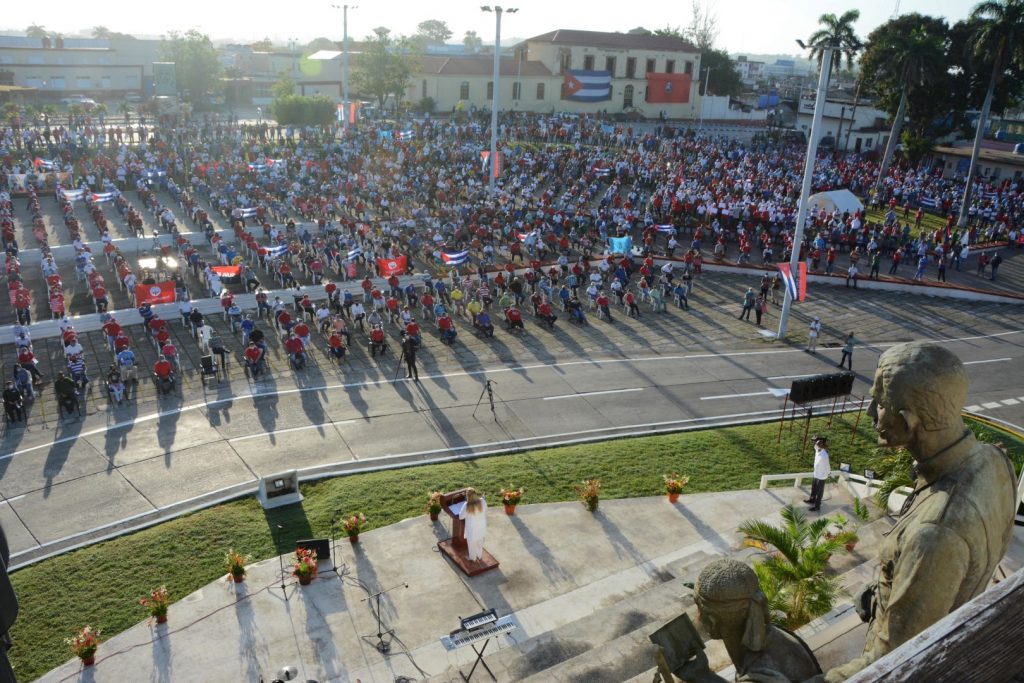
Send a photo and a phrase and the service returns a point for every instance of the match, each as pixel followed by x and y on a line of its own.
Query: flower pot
pixel 305 579
pixel 510 509
pixel 238 578
pixel 433 516
pixel 850 547
pixel 592 504
pixel 673 497
pixel 161 619
pixel 89 661
pixel 353 538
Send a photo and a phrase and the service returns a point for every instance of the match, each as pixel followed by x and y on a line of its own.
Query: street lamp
pixel 805 191
pixel 492 160
pixel 707 80
pixel 344 62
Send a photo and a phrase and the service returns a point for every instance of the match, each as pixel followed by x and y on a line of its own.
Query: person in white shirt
pixel 812 335
pixel 822 470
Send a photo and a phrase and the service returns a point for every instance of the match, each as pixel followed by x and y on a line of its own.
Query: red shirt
pixel 162 336
pixel 157 324
pixel 162 369
pixel 427 301
pixel 377 335
pixel 121 342
pixel 168 350
pixel 227 300
pixel 412 329
pixel 283 318
pixel 444 322
pixel 544 309
pixel 602 301
pixel 111 328
pixel 293 345
pixel 514 315
pixel 335 341
pixel 253 353
pixel 302 330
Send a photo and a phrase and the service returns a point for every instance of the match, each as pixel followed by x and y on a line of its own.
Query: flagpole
pixel 492 160
pixel 812 151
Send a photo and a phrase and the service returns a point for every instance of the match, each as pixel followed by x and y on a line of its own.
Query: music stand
pixel 383 646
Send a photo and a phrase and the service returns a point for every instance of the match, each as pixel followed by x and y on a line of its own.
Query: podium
pixel 455 548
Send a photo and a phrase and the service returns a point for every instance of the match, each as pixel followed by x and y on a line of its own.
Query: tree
pixel 905 55
pixel 667 32
pixel 197 66
pixel 296 110
pixel 284 86
pixel 264 45
pixel 999 40
pixel 432 32
pixel 793 577
pixel 318 44
pixel 472 42
pixel 703 28
pixel 36 31
pixel 724 78
pixel 101 32
pixel 380 69
pixel 639 31
pixel 836 32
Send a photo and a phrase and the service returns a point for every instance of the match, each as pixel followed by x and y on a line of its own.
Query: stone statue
pixel 955 527
pixel 733 608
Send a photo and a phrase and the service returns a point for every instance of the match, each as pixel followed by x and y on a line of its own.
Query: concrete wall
pixel 717 108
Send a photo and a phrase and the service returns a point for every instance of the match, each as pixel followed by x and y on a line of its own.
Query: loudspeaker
pixel 322 546
pixel 798 391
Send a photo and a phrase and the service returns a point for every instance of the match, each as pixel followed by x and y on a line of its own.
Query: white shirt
pixel 822 470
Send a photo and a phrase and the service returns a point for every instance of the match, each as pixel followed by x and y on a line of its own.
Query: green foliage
pixel 432 32
pixel 793 576
pixel 861 510
pixel 838 32
pixel 197 67
pixel 472 42
pixel 298 110
pixel 265 45
pixel 283 87
pixel 425 105
pixel 381 70
pixel 36 31
pixel 915 148
pixel 724 78
pixel 703 28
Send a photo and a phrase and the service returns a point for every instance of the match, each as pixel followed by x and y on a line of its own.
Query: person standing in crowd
pixel 813 331
pixel 409 355
pixel 822 471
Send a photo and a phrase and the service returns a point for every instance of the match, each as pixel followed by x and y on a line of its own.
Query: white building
pixel 751 72
pixel 860 129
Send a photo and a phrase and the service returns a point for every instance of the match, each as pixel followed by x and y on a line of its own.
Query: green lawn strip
pixel 930 222
pixel 100 585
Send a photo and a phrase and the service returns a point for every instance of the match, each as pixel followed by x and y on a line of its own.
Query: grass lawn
pixel 100 585
pixel 930 222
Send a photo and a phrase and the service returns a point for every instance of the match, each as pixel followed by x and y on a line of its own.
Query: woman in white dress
pixel 475 514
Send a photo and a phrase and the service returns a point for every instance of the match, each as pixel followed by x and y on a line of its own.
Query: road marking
pixel 994 360
pixel 789 377
pixel 1010 401
pixel 753 393
pixel 290 429
pixel 972 409
pixel 590 393
pixel 992 404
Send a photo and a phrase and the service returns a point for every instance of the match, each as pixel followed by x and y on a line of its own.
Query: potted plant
pixel 434 505
pixel 236 565
pixel 674 484
pixel 589 494
pixel 157 603
pixel 304 567
pixel 84 644
pixel 511 497
pixel 352 525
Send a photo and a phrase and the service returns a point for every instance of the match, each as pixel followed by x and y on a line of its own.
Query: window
pixel 588 62
pixel 670 66
pixel 490 90
pixel 464 90
pixel 609 65
pixel 627 96
pixel 630 67
pixel 565 61
pixel 867 143
pixel 688 68
pixel 540 91
pixel 651 66
pixel 423 89
pixel 515 90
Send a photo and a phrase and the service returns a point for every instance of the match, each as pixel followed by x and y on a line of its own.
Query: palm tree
pixel 914 61
pixel 999 40
pixel 836 32
pixel 793 577
pixel 100 32
pixel 36 31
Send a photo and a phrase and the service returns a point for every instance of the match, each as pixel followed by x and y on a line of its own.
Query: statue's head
pixel 730 601
pixel 918 386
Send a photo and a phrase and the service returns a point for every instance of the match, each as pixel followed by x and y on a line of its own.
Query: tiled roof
pixel 479 65
pixel 621 41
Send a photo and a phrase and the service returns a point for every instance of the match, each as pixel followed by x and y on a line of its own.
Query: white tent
pixel 841 200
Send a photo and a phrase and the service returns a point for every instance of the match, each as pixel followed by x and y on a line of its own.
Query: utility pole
pixel 492 159
pixel 344 62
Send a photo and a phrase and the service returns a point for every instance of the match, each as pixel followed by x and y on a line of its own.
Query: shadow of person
pixel 540 552
pixel 250 643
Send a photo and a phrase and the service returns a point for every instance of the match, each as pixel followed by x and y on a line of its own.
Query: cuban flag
pixel 587 86
pixel 354 253
pixel 602 172
pixel 257 167
pixel 100 197
pixel 279 250
pixel 405 135
pixel 796 293
pixel 523 236
pixel 620 245
pixel 666 228
pixel 455 258
pixel 72 195
pixel 44 165
pixel 928 202
pixel 249 212
pixel 991 196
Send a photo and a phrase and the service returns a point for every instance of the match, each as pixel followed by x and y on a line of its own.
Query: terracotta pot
pixel 510 509
pixel 353 538
pixel 238 578
pixel 850 547
pixel 592 504
pixel 433 516
pixel 305 579
pixel 89 661
pixel 161 619
pixel 673 497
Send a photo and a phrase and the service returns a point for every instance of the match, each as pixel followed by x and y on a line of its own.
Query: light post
pixel 492 160
pixel 805 190
pixel 344 62
pixel 293 45
pixel 707 79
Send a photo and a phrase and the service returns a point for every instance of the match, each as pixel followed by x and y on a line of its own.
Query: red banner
pixel 391 266
pixel 668 88
pixel 160 293
pixel 802 269
pixel 227 271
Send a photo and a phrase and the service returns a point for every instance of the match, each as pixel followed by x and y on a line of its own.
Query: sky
pixel 745 26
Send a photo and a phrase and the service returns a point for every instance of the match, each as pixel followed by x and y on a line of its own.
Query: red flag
pixel 496 167
pixel 802 269
pixel 391 266
pixel 227 271
pixel 160 293
pixel 668 88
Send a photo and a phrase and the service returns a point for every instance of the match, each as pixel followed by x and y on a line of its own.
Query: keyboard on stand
pixel 462 637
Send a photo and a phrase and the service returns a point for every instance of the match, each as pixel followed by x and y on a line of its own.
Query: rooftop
pixel 619 41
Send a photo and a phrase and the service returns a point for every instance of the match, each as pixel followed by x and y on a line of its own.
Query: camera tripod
pixel 490 398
